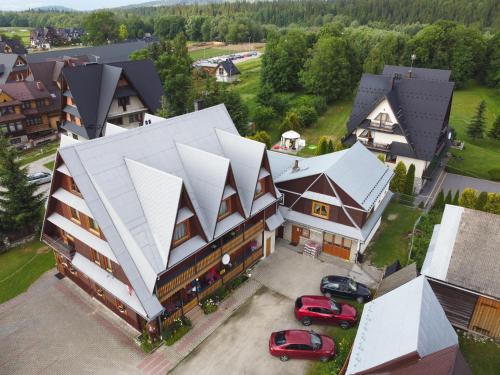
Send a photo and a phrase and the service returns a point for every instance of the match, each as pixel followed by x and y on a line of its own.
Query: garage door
pixel 336 251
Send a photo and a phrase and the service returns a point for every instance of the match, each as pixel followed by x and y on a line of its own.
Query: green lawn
pixel 49 165
pixel 249 83
pixel 36 153
pixel 21 266
pixel 391 241
pixel 482 357
pixel 23 32
pixel 478 157
pixel 207 53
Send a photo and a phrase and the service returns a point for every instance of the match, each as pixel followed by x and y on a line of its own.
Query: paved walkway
pixel 456 182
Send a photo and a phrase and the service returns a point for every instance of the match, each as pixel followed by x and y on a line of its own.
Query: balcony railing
pixel 208 262
pixel 212 288
pixel 170 320
pixel 58 245
pixel 374 145
pixel 257 254
pixel 381 126
pixel 233 273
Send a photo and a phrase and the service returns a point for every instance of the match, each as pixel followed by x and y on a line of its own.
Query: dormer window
pixel 259 189
pixel 225 208
pixel 383 120
pixel 181 232
pixel 321 210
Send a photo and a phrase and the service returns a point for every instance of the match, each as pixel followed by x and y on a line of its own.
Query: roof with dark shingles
pixel 93 87
pixel 418 73
pixel 25 90
pixel 16 46
pixel 229 67
pixel 419 105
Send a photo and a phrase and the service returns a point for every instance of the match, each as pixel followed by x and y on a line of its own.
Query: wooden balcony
pixel 168 321
pixel 208 262
pixel 232 245
pixel 233 273
pixel 259 227
pixel 59 245
pixel 190 305
pixel 256 255
pixel 375 146
pixel 212 288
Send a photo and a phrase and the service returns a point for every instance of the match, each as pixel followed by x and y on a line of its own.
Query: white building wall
pixel 134 106
pixel 383 107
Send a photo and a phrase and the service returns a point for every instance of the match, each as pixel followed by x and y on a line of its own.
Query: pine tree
pixel 322 146
pixel 468 198
pixel 21 207
pixel 481 201
pixel 262 136
pixel 439 202
pixel 456 198
pixel 409 180
pixel 398 181
pixel 331 147
pixel 475 129
pixel 494 132
pixel 448 198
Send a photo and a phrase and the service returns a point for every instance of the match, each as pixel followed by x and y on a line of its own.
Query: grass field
pixel 391 241
pixel 49 165
pixel 478 157
pixel 36 153
pixel 21 266
pixel 23 32
pixel 482 357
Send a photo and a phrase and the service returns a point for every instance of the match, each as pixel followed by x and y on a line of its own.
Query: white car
pixel 39 178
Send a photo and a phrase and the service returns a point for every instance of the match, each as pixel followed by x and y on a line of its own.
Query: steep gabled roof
pixel 15 45
pixel 7 61
pixel 420 105
pixel 405 322
pixel 229 67
pixel 418 73
pixel 355 170
pixel 25 90
pixel 93 87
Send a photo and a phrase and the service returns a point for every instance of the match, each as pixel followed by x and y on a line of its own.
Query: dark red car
pixel 301 344
pixel 309 309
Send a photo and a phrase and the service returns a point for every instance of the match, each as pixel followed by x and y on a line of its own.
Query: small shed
pixel 290 140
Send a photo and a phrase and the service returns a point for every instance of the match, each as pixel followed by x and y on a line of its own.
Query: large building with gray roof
pixel 403 115
pixel 151 220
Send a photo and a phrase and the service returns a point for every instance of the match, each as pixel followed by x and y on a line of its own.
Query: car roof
pixel 316 301
pixel 337 278
pixel 297 336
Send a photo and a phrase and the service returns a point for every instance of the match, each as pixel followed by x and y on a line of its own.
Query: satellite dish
pixel 226 259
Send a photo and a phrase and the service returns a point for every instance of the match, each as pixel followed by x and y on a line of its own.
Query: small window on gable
pixel 181 232
pixel 383 118
pixel 93 226
pixel 259 189
pixel 225 208
pixel 73 187
pixel 321 210
pixel 75 215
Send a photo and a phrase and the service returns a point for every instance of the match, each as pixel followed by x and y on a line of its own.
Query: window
pixel 26 105
pixel 75 215
pixel 95 257
pixel 40 103
pixel 390 158
pixel 109 265
pixel 221 71
pixel 73 186
pixel 259 189
pixel 337 240
pixel 181 232
pixel 136 117
pixel 382 119
pixel 75 136
pixel 321 210
pixel 123 102
pixel 347 243
pixel 117 121
pixel 305 232
pixel 99 291
pixel 93 226
pixel 225 208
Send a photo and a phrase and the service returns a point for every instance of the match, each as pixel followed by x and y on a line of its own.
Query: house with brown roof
pixel 11 46
pixel 463 267
pixel 13 68
pixel 27 113
pixel 402 114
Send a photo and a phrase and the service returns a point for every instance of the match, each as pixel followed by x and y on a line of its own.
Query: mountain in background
pixel 54 8
pixel 161 3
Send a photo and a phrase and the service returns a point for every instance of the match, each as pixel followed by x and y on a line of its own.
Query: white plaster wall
pixel 383 107
pixel 135 104
pixel 387 138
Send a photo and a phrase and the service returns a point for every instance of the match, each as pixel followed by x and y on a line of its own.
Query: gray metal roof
pixel 7 61
pixel 196 149
pixel 355 170
pixel 108 53
pixel 422 106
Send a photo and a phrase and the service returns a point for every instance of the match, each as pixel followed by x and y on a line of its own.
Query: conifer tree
pixel 448 198
pixel 398 181
pixel 494 132
pixel 409 180
pixel 468 198
pixel 331 147
pixel 439 202
pixel 456 198
pixel 481 201
pixel 475 129
pixel 322 146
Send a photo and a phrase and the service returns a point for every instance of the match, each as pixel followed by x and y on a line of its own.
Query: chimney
pixel 295 167
pixel 395 77
pixel 198 104
pixel 39 85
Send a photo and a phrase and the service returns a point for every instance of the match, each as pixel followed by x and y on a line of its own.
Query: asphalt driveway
pixel 456 182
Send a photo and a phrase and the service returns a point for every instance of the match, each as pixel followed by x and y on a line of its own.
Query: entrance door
pixel 296 231
pixel 268 246
pixel 333 245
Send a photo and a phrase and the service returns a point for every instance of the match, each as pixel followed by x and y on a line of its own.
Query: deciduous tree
pixel 262 136
pixel 101 27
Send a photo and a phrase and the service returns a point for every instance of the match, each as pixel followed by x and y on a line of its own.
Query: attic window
pixel 181 232
pixel 225 208
pixel 383 118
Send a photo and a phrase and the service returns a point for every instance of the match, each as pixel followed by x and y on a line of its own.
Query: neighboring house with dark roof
pixel 335 200
pixel 403 115
pixel 108 53
pixel 226 71
pixel 142 218
pixel 27 113
pixel 13 68
pixel 11 46
pixel 119 93
pixel 406 332
pixel 463 267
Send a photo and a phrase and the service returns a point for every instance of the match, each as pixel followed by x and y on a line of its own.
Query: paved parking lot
pixel 240 345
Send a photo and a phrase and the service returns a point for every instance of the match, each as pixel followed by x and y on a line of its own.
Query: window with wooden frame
pixel 99 291
pixel 95 257
pixel 305 233
pixel 73 187
pixel 69 240
pixel 121 307
pixel 260 188
pixel 108 264
pixel 321 210
pixel 94 227
pixel 181 232
pixel 75 215
pixel 225 208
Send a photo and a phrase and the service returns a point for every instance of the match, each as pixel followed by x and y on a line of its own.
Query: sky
pixel 75 4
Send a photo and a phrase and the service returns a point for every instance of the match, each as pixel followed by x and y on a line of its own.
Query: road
pixel 37 166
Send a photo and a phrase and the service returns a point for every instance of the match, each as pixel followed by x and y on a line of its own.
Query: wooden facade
pixel 486 317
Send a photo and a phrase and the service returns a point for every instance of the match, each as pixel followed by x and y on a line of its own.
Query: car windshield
pixel 335 306
pixel 352 285
pixel 315 340
pixel 279 339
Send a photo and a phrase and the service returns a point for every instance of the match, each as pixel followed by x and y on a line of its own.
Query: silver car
pixel 39 178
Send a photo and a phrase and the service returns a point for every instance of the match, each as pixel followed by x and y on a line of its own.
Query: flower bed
pixel 178 329
pixel 210 303
pixel 146 343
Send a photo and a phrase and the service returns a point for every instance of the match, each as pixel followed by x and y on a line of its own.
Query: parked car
pixel 39 178
pixel 309 309
pixel 302 345
pixel 345 287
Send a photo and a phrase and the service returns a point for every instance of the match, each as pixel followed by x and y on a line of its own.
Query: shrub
pixel 307 115
pixel 146 343
pixel 494 174
pixel 468 198
pixel 263 115
pixel 279 103
pixel 423 234
pixel 209 305
pixel 291 122
pixel 262 136
pixel 320 105
pixel 178 329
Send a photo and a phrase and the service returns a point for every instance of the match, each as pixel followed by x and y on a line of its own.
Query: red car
pixel 323 309
pixel 301 344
